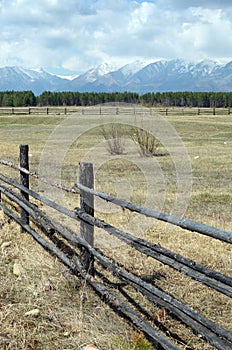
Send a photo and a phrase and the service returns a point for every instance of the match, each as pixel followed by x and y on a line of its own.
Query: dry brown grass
pixel 71 315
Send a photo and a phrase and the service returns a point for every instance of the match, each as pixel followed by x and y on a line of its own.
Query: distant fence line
pixel 79 254
pixel 114 110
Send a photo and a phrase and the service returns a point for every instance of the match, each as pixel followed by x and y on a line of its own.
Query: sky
pixel 71 36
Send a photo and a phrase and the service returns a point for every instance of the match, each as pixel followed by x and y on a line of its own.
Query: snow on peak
pixel 67 77
pixel 31 73
pixel 38 70
pixel 134 67
pixel 104 68
pixel 92 74
pixel 207 66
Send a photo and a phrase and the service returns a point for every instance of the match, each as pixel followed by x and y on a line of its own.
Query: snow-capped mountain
pixel 173 75
pixel 94 73
pixel 132 68
pixel 89 77
pixel 21 79
pixel 138 76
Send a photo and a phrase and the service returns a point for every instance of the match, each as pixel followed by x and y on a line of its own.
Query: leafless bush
pixel 114 135
pixel 148 144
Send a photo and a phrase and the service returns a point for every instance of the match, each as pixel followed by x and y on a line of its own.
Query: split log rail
pixel 78 253
pixel 113 109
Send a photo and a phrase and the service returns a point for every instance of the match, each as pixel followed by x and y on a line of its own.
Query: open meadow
pixel 189 176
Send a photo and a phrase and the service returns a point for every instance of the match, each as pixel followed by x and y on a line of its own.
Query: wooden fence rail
pixel 112 110
pixel 79 254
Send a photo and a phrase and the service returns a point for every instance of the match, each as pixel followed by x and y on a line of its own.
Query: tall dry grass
pixel 70 314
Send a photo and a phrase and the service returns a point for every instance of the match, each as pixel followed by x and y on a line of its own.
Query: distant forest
pixel 168 99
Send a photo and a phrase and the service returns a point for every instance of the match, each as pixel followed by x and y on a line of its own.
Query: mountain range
pixel 139 76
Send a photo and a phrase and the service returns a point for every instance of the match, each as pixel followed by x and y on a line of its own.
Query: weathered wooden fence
pixel 77 251
pixel 112 110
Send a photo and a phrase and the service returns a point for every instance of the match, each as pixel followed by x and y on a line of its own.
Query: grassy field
pixel 70 315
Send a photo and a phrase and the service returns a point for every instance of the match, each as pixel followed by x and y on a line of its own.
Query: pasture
pixel 191 176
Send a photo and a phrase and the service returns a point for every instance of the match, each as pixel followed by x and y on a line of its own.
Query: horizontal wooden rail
pixel 184 313
pixel 186 224
pixel 155 336
pixel 190 225
pixel 63 242
pixel 113 110
pixel 38 176
pixel 186 266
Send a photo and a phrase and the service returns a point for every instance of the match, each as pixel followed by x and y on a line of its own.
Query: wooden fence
pixel 112 110
pixel 79 254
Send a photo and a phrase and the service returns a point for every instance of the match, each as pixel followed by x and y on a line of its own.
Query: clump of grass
pixel 114 134
pixel 148 145
pixel 138 342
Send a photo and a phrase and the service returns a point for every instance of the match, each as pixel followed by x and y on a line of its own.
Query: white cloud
pixel 79 34
pixel 183 4
pixel 207 33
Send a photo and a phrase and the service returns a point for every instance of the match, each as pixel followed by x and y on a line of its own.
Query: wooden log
pixel 223 235
pixel 154 336
pixel 87 205
pixel 24 179
pixel 39 176
pixel 198 272
pixel 190 225
pixel 163 298
pixel 209 330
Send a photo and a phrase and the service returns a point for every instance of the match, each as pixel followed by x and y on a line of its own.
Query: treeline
pixel 188 99
pixel 48 98
pixel 167 99
pixel 17 99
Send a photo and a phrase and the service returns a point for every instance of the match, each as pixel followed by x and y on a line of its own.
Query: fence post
pixel 87 205
pixel 24 179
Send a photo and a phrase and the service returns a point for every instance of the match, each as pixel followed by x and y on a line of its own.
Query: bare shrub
pixel 148 144
pixel 114 135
